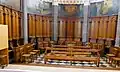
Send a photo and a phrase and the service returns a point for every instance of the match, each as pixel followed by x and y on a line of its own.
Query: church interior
pixel 59 35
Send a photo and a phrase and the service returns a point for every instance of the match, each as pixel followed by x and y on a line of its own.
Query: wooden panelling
pixel 30 25
pixel 100 28
pixel 33 26
pixel 1 15
pixel 62 28
pixel 92 29
pixel 103 27
pixel 14 25
pixel 12 18
pixel 17 26
pixel 70 28
pixel 44 27
pixel 113 28
pixel 47 27
pixel 39 26
pixel 78 29
pixel 8 22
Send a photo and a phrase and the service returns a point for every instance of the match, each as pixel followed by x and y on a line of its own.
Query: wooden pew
pixel 69 55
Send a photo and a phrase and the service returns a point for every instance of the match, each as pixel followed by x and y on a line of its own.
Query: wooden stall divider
pixel 30 25
pixel 37 26
pixel 14 24
pixel 41 26
pixel 1 15
pixel 17 26
pixel 34 26
pixel 100 28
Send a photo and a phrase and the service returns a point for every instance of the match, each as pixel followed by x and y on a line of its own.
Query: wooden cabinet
pixel 4 45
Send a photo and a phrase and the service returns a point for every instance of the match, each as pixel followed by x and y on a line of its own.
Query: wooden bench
pixel 68 54
pixel 74 47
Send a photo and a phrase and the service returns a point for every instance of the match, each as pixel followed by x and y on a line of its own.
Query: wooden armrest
pixel 26 55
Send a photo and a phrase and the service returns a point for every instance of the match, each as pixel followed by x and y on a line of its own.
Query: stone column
pixel 117 41
pixel 85 22
pixel 24 21
pixel 55 20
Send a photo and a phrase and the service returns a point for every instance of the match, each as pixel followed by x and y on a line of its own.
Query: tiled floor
pixel 103 62
pixel 40 60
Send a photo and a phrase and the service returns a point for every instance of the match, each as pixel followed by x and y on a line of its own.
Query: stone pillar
pixel 24 21
pixel 55 20
pixel 117 41
pixel 85 22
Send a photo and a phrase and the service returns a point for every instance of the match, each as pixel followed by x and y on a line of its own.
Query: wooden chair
pixel 113 52
pixel 37 52
pixel 78 42
pixel 52 43
pixel 89 44
pixel 26 56
pixel 116 59
pixel 68 40
pixel 47 39
pixel 2 60
pixel 61 41
pixel 33 52
pixel 40 45
pixel 17 54
pixel 45 44
pixel 21 54
pixel 94 46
